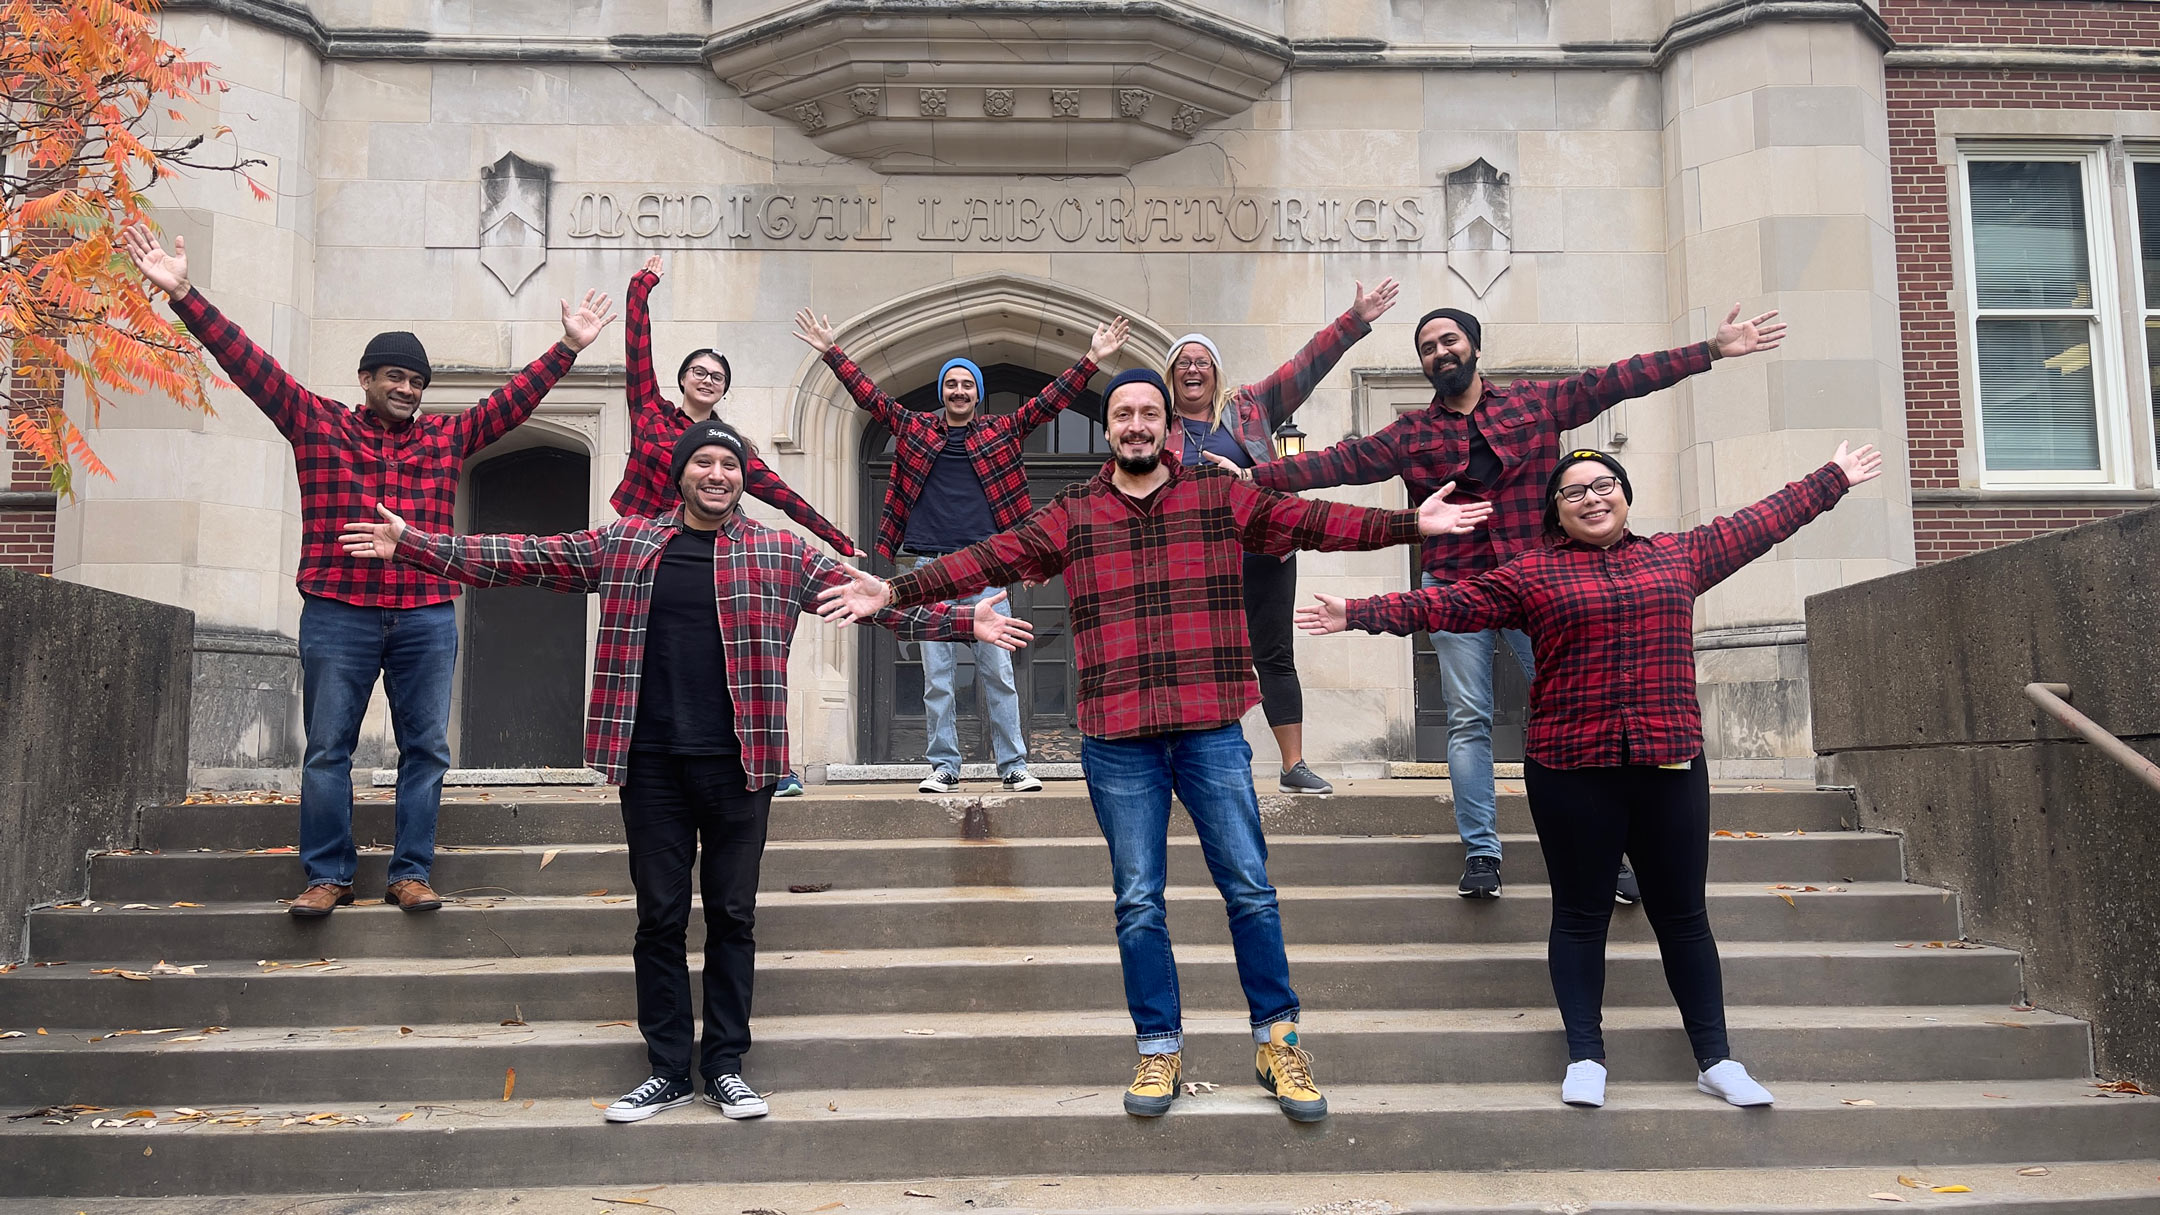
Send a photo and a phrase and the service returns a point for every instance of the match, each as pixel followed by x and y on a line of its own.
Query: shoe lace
pixel 646 1091
pixel 1155 1069
pixel 1292 1066
pixel 735 1090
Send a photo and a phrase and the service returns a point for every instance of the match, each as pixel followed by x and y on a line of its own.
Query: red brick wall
pixel 1920 203
pixel 26 536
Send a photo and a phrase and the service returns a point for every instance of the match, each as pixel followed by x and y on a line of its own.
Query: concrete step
pixel 933 917
pixel 1815 858
pixel 325 1065
pixel 1998 1188
pixel 592 817
pixel 405 990
pixel 857 1134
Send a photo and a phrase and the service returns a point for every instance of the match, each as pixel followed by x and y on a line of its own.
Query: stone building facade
pixel 1594 178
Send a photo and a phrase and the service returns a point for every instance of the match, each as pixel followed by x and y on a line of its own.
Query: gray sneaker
pixel 940 780
pixel 1297 778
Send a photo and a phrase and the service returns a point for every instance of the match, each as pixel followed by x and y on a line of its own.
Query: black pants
pixel 1270 601
pixel 668 801
pixel 1660 817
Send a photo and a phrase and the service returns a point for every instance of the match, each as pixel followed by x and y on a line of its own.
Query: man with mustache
pixel 1500 443
pixel 360 620
pixel 1153 557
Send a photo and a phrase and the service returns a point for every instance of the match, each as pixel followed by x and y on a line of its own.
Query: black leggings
pixel 1270 600
pixel 1660 817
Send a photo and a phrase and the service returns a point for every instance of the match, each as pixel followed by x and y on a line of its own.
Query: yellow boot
pixel 1285 1070
pixel 1154 1086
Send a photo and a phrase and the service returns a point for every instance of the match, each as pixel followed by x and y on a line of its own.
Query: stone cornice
pixel 1972 57
pixel 1689 31
pixel 29 499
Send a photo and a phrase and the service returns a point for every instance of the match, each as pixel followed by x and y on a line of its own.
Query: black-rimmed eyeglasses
pixel 1602 487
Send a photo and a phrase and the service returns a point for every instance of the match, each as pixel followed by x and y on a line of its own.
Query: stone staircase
pixel 944 1002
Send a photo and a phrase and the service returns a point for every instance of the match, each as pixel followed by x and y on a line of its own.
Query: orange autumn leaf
pixel 509 1082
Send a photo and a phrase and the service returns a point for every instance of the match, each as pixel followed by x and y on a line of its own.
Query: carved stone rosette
pixel 1141 80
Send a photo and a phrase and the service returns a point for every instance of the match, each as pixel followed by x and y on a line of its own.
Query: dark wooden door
pixel 525 647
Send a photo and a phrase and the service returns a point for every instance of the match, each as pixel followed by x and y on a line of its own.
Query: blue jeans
pixel 1129 781
pixel 1466 683
pixel 342 650
pixel 993 670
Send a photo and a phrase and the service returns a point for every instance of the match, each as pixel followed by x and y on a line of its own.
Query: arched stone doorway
pixel 524 647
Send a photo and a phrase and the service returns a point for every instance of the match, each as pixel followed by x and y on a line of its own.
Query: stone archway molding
pixel 990 318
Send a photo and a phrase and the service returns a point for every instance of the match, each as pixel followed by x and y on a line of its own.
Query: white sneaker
pixel 1018 781
pixel 939 781
pixel 735 1098
pixel 1584 1083
pixel 1731 1081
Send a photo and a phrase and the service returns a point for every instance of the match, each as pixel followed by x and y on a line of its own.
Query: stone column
pixel 1778 191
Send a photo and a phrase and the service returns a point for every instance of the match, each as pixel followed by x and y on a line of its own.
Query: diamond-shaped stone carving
pixel 1132 103
pixel 1188 119
pixel 998 103
pixel 811 115
pixel 864 100
pixel 1065 103
pixel 931 102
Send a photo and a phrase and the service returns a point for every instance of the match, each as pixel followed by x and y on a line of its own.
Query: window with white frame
pixel 2145 176
pixel 2040 292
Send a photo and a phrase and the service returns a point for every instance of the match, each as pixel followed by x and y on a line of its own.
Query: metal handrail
pixel 2055 698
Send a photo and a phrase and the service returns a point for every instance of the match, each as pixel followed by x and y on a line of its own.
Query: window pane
pixel 2036 396
pixel 2148 205
pixel 2029 248
pixel 2152 372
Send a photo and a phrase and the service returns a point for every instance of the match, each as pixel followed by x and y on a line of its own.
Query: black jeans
pixel 1660 817
pixel 1270 601
pixel 668 801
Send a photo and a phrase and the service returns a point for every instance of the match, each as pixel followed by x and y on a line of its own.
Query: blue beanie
pixel 972 370
pixel 1138 375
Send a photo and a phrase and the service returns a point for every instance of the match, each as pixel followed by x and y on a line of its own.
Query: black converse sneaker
pixel 735 1099
pixel 940 780
pixel 652 1097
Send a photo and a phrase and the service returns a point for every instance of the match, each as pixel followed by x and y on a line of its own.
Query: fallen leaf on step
pixel 1788 898
pixel 529 1103
pixel 628 1202
pixel 1754 835
pixel 915 1194
pixel 920 1033
pixel 1887 1196
pixel 146 1151
pixel 1858 1101
pixel 1910 1184
pixel 403 1030
pixel 1724 835
pixel 191 1038
pixel 2129 1088
pixel 594 894
pixel 1194 1088
pixel 599 1105
pixel 834 1108
pixel 830 1206
pixel 1997 1096
pixel 407 1114
pixel 184 903
pixel 166 968
pixel 547 858
pixel 2034 1171
pixel 810 888
pixel 606 1024
pixel 2021 1008
pixel 13 1033
pixel 140 1114
pixel 509 1081
pixel 138 907
pixel 1951 1189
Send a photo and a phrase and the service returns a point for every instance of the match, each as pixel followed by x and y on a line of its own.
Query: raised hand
pixel 166 271
pixel 378 540
pixel 1108 338
pixel 862 596
pixel 1439 517
pixel 816 330
pixel 1370 304
pixel 1226 464
pixel 1859 466
pixel 1004 632
pixel 1737 337
pixel 652 266
pixel 579 328
pixel 1324 617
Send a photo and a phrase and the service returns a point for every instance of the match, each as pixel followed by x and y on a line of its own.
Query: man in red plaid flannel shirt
pixel 689 715
pixel 957 477
pixel 1153 558
pixel 1499 443
pixel 360 620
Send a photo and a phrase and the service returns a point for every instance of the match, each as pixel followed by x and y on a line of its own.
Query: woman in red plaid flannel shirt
pixel 1615 742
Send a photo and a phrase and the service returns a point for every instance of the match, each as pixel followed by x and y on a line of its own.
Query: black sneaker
pixel 656 1095
pixel 1297 778
pixel 735 1099
pixel 1626 890
pixel 1019 781
pixel 940 780
pixel 1480 878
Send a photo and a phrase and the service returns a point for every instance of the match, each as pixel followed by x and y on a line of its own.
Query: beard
pixel 1140 466
pixel 1453 380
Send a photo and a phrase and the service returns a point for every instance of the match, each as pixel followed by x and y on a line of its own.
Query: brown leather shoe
pixel 318 900
pixel 412 894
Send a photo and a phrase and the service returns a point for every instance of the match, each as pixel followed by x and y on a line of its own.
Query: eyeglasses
pixel 706 375
pixel 1602 487
pixel 1192 365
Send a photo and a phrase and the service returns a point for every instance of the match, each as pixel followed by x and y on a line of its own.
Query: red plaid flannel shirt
pixel 1254 411
pixel 655 424
pixel 993 443
pixel 1157 586
pixel 763 581
pixel 1613 629
pixel 1522 422
pixel 348 460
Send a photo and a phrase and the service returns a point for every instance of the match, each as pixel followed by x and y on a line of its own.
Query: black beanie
pixel 694 356
pixel 1470 327
pixel 1137 375
pixel 705 434
pixel 1583 455
pixel 397 349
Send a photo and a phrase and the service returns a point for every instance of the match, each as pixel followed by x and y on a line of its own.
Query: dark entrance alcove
pixel 525 647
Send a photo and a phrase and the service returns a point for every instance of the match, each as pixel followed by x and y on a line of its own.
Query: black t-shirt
pixel 683 703
pixel 953 511
pixel 1483 466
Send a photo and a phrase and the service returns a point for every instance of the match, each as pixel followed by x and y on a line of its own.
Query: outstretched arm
pixel 1721 546
pixel 1275 523
pixel 514 402
pixel 1066 389
pixel 569 563
pixel 1292 384
pixel 818 333
pixel 1365 461
pixel 1033 552
pixel 1484 602
pixel 641 383
pixel 762 483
